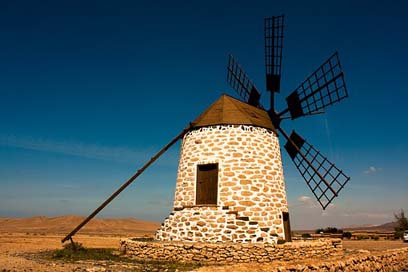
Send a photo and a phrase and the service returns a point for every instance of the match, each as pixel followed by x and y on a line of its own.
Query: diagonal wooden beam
pixel 126 184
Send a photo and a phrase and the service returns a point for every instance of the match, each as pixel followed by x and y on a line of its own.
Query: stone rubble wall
pixel 390 260
pixel 210 224
pixel 250 186
pixel 321 255
pixel 227 253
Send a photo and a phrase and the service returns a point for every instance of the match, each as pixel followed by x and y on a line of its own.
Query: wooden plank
pixel 286 227
pixel 212 186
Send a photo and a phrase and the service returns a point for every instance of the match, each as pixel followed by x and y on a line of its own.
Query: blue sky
pixel 90 91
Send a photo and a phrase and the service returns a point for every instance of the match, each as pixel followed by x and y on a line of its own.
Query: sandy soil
pixel 23 240
pixel 16 251
pixel 371 245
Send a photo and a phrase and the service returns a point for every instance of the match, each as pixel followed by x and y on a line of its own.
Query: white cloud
pixel 90 151
pixel 372 170
pixel 304 199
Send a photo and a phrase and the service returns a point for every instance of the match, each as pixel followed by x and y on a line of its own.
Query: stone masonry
pixel 251 189
pixel 228 253
pixel 319 255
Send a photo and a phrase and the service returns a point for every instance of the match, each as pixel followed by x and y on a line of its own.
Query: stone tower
pixel 230 185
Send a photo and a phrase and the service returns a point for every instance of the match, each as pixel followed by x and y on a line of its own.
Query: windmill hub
pixel 275 118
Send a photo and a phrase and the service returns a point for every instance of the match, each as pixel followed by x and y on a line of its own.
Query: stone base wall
pixel 213 224
pixel 321 255
pixel 224 253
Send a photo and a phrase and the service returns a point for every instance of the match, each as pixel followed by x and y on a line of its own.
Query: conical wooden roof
pixel 230 111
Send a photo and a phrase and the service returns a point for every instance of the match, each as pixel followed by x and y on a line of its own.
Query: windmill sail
pixel 322 88
pixel 273 52
pixel 323 177
pixel 241 83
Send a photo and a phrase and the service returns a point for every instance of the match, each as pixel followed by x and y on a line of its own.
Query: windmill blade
pixel 126 184
pixel 273 28
pixel 323 177
pixel 241 83
pixel 322 88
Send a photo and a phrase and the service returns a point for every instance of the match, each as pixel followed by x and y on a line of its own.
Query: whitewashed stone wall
pixel 251 188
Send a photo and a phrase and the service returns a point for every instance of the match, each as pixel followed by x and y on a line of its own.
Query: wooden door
pixel 286 226
pixel 207 184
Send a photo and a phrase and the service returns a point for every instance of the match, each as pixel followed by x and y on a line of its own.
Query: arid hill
pixel 380 228
pixel 387 227
pixel 64 224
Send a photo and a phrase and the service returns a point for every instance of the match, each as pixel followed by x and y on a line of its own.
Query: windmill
pixel 230 184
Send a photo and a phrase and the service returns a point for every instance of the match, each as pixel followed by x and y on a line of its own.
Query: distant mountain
pixel 64 224
pixel 390 226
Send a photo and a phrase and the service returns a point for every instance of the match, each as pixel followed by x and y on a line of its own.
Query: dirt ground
pixel 17 253
pixel 373 245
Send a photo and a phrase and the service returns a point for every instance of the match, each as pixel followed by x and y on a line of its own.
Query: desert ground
pixel 24 242
pixel 25 245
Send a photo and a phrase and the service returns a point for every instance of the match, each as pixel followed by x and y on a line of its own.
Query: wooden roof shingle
pixel 230 111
